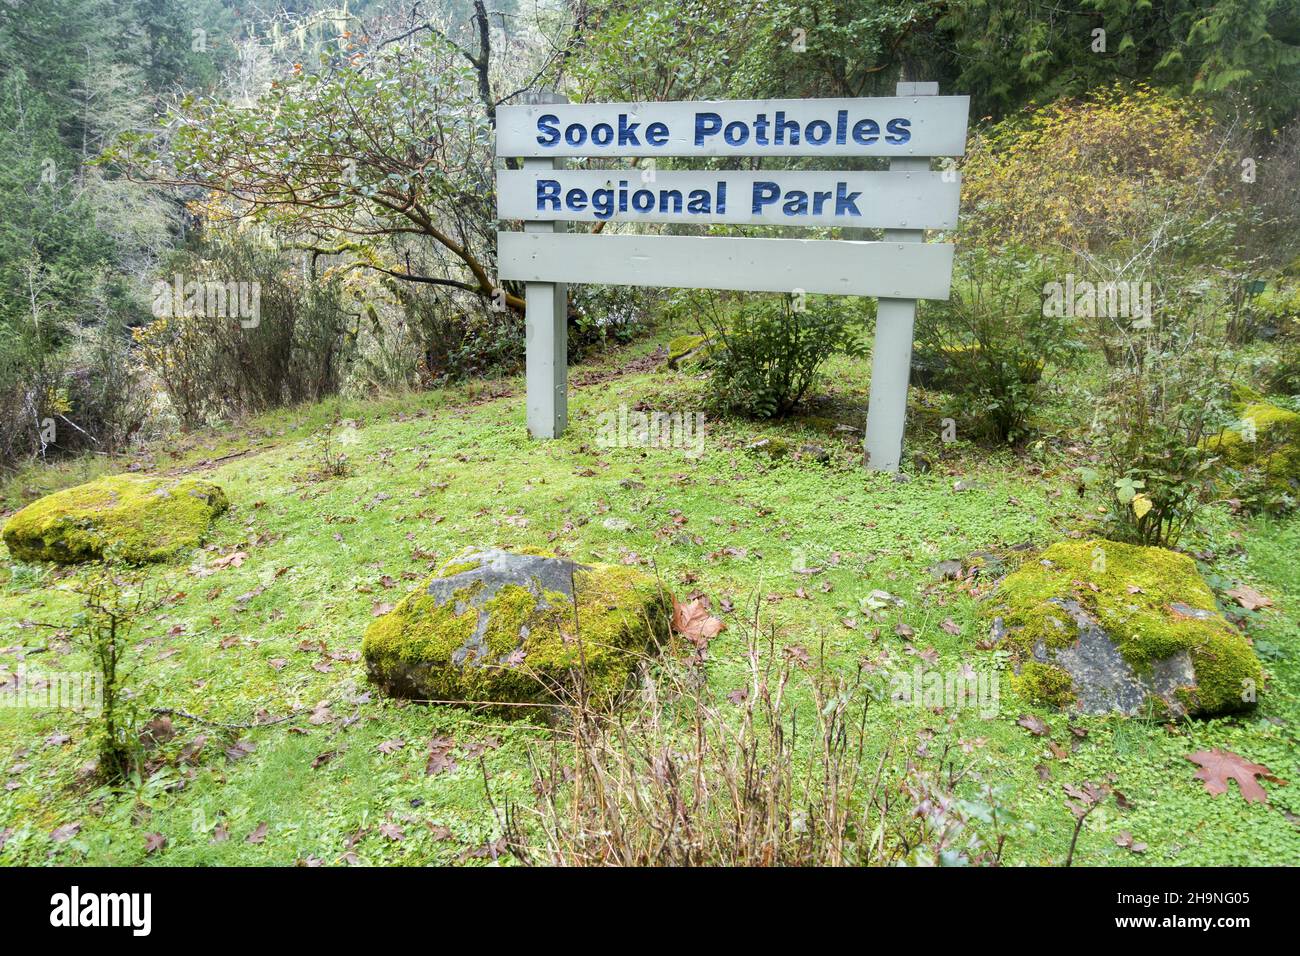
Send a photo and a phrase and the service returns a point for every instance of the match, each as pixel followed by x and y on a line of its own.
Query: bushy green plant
pixel 770 348
pixel 113 602
pixel 294 348
pixel 991 345
pixel 1156 427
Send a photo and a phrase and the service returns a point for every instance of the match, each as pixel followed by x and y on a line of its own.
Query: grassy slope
pixel 434 472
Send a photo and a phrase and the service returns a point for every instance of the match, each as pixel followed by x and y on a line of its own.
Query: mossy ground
pixel 281 632
pixel 131 517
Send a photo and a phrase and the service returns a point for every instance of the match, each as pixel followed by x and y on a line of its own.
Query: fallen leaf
pixel 1249 598
pixel 153 842
pixel 1220 766
pixel 440 756
pixel 65 832
pixel 229 561
pixel 1033 724
pixel 258 835
pixel 693 621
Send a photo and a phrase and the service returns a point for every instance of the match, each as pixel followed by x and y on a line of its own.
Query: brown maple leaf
pixel 1033 724
pixel 1249 598
pixel 229 561
pixel 1220 766
pixel 153 842
pixel 693 621
pixel 440 756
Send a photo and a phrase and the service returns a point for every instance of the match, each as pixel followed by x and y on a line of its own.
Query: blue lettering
pixel 700 202
pixel 846 203
pixel 765 193
pixel 822 135
pixel 550 132
pixel 627 131
pixel 602 134
pixel 576 199
pixel 706 124
pixel 548 190
pixel 866 132
pixel 898 131
pixel 656 134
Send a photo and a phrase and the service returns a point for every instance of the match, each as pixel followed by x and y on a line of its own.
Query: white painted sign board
pixel 909 198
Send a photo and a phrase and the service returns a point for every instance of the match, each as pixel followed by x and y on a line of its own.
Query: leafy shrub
pixel 294 351
pixel 772 347
pixel 991 345
pixel 1157 425
pixel 1097 173
pixel 604 315
pixel 113 602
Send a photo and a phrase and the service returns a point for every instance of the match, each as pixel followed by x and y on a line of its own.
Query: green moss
pixel 454 567
pixel 771 447
pixel 518 644
pixel 1044 684
pixel 1132 592
pixel 1266 470
pixel 689 350
pixel 127 516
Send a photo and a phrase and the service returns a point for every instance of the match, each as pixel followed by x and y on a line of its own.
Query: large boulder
pixel 130 517
pixel 493 626
pixel 1102 626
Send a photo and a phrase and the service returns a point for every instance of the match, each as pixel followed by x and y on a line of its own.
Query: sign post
pixel 546 329
pixel 891 356
pixel 908 129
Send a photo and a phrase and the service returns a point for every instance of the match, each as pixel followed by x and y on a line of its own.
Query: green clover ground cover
pixel 353 778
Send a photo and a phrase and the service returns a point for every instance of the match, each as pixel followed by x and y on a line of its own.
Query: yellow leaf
pixel 1141 505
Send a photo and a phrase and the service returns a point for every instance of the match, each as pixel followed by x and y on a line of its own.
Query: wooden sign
pixel 909 198
pixel 882 126
pixel 882 200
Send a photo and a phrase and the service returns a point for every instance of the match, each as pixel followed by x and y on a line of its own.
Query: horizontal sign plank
pixel 902 270
pixel 895 200
pixel 875 126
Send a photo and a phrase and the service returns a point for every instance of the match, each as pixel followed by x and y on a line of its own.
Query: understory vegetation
pixel 261 385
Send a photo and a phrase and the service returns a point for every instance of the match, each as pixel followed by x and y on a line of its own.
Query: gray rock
pixel 1104 681
pixel 496 626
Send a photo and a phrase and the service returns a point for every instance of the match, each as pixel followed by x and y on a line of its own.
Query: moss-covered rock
pixel 130 517
pixel 1104 626
pixel 494 626
pixel 688 351
pixel 1262 453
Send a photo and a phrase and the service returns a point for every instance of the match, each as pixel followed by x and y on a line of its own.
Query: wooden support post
pixel 546 320
pixel 891 357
